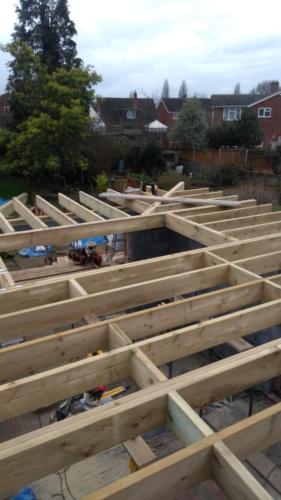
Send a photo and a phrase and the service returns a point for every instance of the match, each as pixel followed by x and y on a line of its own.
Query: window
pixel 131 114
pixel 231 114
pixel 6 110
pixel 264 113
pixel 175 115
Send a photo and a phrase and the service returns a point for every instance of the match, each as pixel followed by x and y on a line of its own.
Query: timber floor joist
pixel 142 315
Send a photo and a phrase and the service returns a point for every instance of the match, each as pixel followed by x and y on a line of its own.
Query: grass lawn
pixel 12 186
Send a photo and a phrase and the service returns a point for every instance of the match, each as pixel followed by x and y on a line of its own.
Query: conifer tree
pixel 165 90
pixel 183 90
pixel 45 26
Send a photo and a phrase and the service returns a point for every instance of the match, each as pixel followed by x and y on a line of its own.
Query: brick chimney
pixel 274 86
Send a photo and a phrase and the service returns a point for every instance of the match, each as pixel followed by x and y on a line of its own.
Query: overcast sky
pixel 136 44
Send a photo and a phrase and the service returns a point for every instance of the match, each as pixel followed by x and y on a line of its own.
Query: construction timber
pixel 220 293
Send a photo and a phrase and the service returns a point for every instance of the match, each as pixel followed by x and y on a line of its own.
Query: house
pixel 169 109
pixel 4 110
pixel 126 116
pixel 267 108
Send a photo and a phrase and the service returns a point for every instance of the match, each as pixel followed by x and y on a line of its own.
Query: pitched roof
pixel 174 104
pixel 113 110
pixel 221 100
pixel 156 125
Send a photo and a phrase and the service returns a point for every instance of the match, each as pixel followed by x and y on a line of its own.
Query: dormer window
pixel 264 113
pixel 131 114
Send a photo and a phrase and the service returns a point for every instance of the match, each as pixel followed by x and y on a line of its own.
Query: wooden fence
pixel 252 158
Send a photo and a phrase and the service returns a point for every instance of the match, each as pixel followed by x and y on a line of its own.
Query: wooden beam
pixel 185 423
pixel 187 192
pixel 255 231
pixel 38 390
pixel 103 208
pixel 8 208
pixel 233 477
pixel 30 218
pixel 77 209
pixel 184 200
pixel 76 290
pixel 239 222
pixel 180 208
pixel 98 280
pixel 39 354
pixel 168 478
pixel 194 231
pixel 88 433
pixel 56 214
pixel 216 216
pixel 38 319
pixel 247 248
pixel 261 264
pixel 5 225
pixel 134 205
pixel 177 187
pixel 6 280
pixel 66 234
pixel 117 337
pixel 144 373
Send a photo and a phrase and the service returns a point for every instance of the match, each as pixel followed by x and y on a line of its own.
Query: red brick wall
pixel 164 116
pixel 217 116
pixel 270 127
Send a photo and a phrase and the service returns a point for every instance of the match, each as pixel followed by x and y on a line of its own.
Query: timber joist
pixel 142 315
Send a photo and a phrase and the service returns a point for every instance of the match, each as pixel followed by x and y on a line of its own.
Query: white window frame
pixel 7 110
pixel 175 115
pixel 264 113
pixel 131 114
pixel 231 114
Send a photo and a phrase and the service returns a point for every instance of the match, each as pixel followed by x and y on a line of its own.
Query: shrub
pixel 102 182
pixel 228 176
pixel 169 178
pixel 255 188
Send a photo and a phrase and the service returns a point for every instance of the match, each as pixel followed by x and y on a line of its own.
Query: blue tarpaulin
pixel 40 250
pixel 25 494
pixel 98 240
pixel 3 201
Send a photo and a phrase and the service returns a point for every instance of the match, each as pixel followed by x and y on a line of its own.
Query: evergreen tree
pixel 183 90
pixel 191 127
pixel 248 129
pixel 237 89
pixel 51 125
pixel 165 90
pixel 45 26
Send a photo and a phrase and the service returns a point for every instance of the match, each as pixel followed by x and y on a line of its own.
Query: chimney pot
pixel 274 86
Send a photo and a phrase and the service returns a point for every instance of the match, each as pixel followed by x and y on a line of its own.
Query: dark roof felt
pixel 113 110
pixel 174 104
pixel 220 100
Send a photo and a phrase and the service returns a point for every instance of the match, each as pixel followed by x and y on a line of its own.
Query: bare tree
pixel 183 90
pixel 165 90
pixel 237 89
pixel 266 87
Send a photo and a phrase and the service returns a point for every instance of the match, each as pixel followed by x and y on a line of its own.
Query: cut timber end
pixel 179 199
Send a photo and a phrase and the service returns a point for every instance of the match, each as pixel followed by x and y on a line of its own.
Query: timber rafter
pixel 186 303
